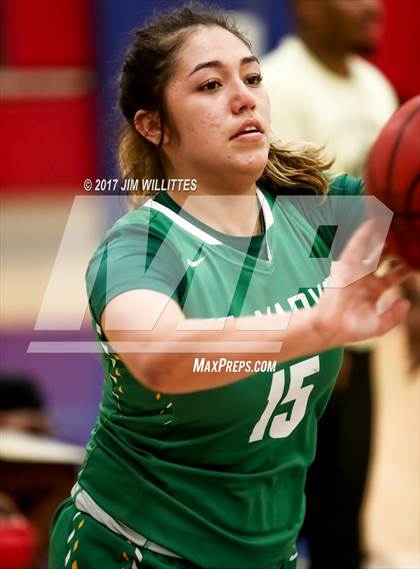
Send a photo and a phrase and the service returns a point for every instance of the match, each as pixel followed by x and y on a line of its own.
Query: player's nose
pixel 242 97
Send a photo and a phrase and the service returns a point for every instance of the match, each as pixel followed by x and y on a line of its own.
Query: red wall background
pixel 47 143
pixel 399 53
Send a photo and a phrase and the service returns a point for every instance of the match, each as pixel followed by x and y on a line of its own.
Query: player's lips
pixel 249 129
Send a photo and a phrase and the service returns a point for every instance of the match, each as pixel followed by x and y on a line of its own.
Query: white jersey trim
pixel 85 503
pixel 183 223
pixel 266 210
pixel 199 233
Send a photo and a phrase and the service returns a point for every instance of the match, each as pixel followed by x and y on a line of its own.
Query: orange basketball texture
pixel 393 175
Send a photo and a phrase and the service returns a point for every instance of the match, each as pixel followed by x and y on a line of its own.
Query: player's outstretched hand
pixel 348 310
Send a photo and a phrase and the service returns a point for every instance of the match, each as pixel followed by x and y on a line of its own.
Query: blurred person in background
pixel 36 473
pixel 22 406
pixel 323 92
pixel 18 538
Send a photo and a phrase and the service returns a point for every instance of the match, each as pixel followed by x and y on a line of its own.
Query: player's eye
pixel 253 80
pixel 210 85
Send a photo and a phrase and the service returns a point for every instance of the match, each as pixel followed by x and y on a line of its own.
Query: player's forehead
pixel 210 43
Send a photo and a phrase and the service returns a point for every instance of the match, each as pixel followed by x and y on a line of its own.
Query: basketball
pixel 393 176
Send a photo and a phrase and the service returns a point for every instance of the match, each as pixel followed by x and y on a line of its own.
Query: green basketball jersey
pixel 216 476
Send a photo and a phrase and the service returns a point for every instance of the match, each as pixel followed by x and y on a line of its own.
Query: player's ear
pixel 148 124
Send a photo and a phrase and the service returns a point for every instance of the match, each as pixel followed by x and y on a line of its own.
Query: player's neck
pixel 334 59
pixel 231 213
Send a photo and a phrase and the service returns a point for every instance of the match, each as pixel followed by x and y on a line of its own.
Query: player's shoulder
pixel 143 221
pixel 139 230
pixel 345 185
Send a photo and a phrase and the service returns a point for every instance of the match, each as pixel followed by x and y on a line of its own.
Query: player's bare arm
pixel 345 313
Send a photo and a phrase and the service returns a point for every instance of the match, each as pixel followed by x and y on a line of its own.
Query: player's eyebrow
pixel 217 63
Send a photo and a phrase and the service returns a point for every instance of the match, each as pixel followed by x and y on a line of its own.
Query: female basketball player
pixel 201 447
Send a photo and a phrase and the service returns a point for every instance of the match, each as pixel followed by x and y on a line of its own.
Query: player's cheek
pixel 265 112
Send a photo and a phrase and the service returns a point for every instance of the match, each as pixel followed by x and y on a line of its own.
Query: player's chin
pixel 253 162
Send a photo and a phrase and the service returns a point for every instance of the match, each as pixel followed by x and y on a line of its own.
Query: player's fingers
pixel 395 276
pixel 355 250
pixel 364 250
pixel 394 315
pixel 375 286
pixel 359 258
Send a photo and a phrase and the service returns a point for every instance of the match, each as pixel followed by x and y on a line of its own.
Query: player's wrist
pixel 322 329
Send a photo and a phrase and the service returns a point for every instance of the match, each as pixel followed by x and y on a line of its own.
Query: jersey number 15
pixel 281 426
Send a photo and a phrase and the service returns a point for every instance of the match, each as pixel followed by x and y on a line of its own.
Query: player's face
pixel 218 109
